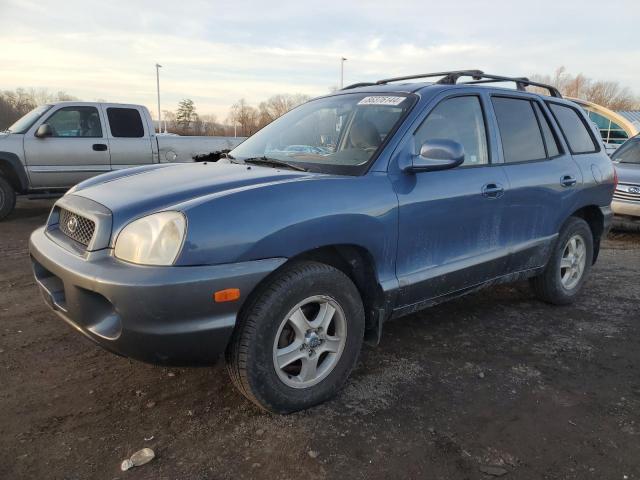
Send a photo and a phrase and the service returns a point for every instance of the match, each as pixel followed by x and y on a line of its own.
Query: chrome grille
pixel 76 226
pixel 627 192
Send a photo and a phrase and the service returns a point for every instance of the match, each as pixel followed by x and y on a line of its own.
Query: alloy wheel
pixel 573 262
pixel 310 341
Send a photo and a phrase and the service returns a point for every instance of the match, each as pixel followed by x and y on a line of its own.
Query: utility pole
pixel 158 67
pixel 342 60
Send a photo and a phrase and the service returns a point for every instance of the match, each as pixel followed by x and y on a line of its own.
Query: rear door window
pixel 125 122
pixel 574 129
pixel 519 130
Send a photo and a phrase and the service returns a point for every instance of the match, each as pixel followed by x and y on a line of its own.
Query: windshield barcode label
pixel 381 100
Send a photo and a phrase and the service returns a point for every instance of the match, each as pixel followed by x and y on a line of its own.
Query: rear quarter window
pixel 574 129
pixel 125 122
pixel 549 137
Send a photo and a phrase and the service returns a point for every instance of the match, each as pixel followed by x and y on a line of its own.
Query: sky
pixel 218 52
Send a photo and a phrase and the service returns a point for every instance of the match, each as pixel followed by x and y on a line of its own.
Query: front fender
pixel 286 219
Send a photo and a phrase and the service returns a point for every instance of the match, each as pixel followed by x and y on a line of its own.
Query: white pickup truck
pixel 57 145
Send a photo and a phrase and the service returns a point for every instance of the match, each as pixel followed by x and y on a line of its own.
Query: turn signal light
pixel 227 295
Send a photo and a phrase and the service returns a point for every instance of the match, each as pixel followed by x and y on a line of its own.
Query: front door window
pixel 75 122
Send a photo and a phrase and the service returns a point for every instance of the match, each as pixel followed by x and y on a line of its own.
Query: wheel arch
pixel 13 170
pixel 357 263
pixel 595 219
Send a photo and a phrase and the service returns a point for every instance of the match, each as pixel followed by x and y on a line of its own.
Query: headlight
pixel 152 240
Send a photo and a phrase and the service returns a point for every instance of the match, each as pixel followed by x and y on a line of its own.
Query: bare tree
pixel 15 103
pixel 245 116
pixel 609 94
pixel 277 106
pixel 169 121
pixel 210 125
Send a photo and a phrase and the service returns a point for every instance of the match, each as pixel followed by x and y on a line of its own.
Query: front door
pixel 77 149
pixel 449 221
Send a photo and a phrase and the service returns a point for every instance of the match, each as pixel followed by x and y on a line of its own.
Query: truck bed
pixel 174 148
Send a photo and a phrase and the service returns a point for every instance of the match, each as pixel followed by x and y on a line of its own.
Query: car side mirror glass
pixel 437 154
pixel 44 130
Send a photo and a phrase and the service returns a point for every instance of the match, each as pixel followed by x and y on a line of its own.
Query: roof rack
pixel 477 76
pixel 357 85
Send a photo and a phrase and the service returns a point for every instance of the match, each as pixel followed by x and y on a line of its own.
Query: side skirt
pixel 509 278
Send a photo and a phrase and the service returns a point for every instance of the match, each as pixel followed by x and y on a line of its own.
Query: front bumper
pixel 163 315
pixel 627 208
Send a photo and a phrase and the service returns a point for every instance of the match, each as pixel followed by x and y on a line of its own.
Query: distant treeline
pixel 607 93
pixel 243 119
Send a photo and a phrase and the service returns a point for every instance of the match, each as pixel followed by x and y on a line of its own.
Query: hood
pixel 628 172
pixel 135 192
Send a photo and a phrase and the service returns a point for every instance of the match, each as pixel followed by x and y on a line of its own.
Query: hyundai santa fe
pixel 352 209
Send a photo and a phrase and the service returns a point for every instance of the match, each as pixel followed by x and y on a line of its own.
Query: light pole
pixel 342 60
pixel 158 67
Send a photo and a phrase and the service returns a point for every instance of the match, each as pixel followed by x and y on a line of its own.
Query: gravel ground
pixel 495 383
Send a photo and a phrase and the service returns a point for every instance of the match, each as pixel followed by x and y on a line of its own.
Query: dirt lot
pixel 493 379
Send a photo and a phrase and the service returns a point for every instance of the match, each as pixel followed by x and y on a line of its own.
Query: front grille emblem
pixel 72 224
pixel 76 227
pixel 634 190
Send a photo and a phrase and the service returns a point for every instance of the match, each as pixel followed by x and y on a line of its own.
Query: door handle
pixel 492 190
pixel 568 181
pixel 99 147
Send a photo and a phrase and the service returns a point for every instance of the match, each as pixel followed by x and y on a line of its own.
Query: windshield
pixel 629 152
pixel 338 134
pixel 25 122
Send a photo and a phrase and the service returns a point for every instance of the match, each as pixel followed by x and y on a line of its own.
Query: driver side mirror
pixel 437 154
pixel 44 130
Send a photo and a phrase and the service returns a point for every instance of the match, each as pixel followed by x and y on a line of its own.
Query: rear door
pixel 129 136
pixel 542 175
pixel 77 150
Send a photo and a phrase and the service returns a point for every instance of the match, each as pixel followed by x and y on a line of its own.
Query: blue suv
pixel 355 208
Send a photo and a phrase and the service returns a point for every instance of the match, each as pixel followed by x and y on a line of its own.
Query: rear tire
pixel 569 265
pixel 7 198
pixel 298 339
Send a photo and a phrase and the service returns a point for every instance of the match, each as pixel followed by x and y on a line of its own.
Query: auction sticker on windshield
pixel 382 100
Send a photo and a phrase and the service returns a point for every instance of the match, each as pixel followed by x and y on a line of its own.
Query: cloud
pixel 217 52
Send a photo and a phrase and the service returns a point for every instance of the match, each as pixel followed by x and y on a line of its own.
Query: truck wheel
pixel 298 339
pixel 569 265
pixel 7 198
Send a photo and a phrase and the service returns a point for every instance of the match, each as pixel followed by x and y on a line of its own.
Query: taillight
pixel 615 178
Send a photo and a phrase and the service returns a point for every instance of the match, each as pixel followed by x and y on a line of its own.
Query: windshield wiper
pixel 229 157
pixel 274 163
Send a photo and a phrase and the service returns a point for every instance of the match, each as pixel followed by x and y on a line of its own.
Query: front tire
pixel 298 339
pixel 569 265
pixel 7 198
